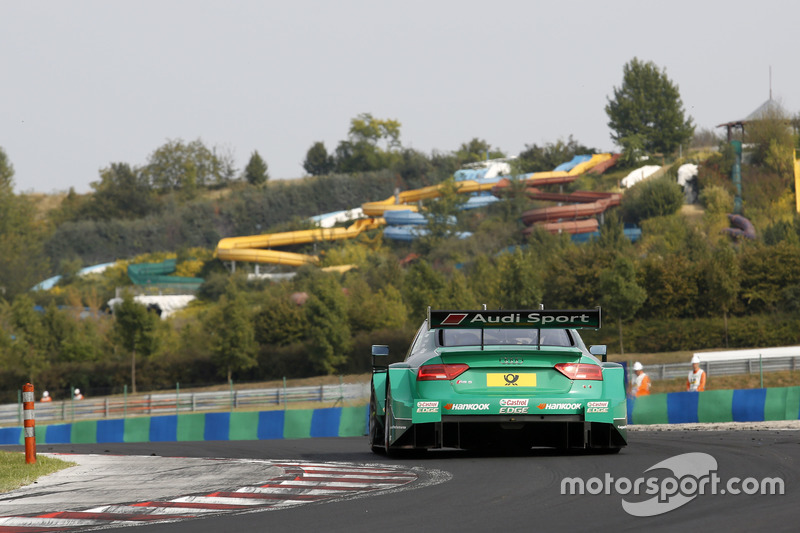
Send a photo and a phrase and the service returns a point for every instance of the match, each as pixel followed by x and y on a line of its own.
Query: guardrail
pixel 183 402
pixel 724 368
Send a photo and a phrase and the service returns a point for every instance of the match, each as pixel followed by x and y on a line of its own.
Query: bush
pixel 716 200
pixel 652 198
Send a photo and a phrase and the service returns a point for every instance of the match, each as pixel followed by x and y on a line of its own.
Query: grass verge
pixel 15 473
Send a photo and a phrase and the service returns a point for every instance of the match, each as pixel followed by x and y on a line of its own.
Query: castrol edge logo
pixel 514 406
pixel 427 407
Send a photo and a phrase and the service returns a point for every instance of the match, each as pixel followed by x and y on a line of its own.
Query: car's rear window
pixel 498 336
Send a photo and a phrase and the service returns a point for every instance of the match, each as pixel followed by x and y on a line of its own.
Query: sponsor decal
pixel 467 406
pixel 454 319
pixel 463 382
pixel 586 318
pixel 513 410
pixel 549 406
pixel 511 379
pixel 597 409
pixel 597 404
pixel 536 318
pixel 515 402
pixel 427 407
pixel 515 406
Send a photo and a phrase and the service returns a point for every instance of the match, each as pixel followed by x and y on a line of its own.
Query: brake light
pixel 580 371
pixel 441 372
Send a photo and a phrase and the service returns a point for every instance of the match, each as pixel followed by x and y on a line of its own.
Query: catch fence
pixel 184 402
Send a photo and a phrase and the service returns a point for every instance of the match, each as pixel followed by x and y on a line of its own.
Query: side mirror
pixel 379 351
pixel 599 349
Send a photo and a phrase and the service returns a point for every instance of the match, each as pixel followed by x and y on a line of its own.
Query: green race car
pixel 510 379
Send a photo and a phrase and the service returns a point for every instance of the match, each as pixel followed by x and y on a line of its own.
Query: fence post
pixel 124 401
pixel 19 406
pixel 230 383
pixel 177 397
pixel 106 407
pixel 29 424
pixel 761 369
pixel 285 399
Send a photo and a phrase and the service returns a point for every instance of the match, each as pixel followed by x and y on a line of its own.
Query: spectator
pixel 697 378
pixel 46 397
pixel 77 395
pixel 641 383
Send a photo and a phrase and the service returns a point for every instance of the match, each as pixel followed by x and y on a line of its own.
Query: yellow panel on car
pixel 511 379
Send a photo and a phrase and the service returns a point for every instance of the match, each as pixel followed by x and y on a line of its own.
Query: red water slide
pixel 572 212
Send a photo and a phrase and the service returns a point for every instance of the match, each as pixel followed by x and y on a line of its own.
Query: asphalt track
pixel 456 491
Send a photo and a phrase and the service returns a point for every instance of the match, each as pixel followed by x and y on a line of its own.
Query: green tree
pixel 520 281
pixel 422 287
pixel 773 142
pixel 121 192
pixel 722 281
pixel 655 197
pixel 233 345
pixel 369 310
pixel 366 128
pixel 362 151
pixel 765 272
pixel 30 339
pixel 281 322
pixel 543 158
pixel 361 156
pixel 441 214
pixel 136 330
pixel 187 166
pixel 671 286
pixel 22 263
pixel 476 150
pixel 318 162
pixel 256 170
pixel 621 295
pixel 328 329
pixel 648 106
pixel 6 174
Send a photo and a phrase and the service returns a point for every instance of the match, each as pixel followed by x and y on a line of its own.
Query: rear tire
pixel 387 420
pixel 376 432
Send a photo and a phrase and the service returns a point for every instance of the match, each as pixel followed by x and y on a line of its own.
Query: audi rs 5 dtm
pixel 477 379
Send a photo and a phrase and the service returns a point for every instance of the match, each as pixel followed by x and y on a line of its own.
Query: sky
pixel 84 84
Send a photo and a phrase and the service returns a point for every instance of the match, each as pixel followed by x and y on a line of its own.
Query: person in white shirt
pixel 697 378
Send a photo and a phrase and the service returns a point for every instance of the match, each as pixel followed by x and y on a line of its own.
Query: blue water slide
pixel 569 165
pixel 410 233
pixel 49 283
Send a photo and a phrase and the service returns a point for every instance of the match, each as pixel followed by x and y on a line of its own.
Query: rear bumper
pixel 519 432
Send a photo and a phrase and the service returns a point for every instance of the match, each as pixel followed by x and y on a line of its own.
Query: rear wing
pixel 531 318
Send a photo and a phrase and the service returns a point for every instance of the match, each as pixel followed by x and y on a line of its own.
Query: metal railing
pixel 183 402
pixel 724 368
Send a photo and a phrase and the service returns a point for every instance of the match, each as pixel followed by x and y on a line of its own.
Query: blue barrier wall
pixel 252 425
pixel 742 405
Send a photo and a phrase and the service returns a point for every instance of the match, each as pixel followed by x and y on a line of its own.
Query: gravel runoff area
pixel 772 425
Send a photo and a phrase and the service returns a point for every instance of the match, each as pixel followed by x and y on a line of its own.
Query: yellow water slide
pixel 797 181
pixel 577 170
pixel 257 248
